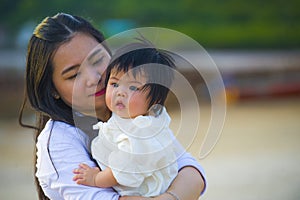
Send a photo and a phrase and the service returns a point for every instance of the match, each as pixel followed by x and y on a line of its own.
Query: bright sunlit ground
pixel 257 156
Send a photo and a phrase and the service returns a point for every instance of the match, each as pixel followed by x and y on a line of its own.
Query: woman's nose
pixel 93 78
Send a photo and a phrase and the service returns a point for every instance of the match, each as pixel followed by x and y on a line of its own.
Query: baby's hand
pixel 85 175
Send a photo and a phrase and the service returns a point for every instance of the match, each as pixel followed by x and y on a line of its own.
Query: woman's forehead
pixel 75 51
pixel 97 52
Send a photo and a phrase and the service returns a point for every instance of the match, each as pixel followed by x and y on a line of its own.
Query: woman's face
pixel 79 72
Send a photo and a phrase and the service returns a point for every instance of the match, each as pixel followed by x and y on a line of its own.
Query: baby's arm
pixel 86 175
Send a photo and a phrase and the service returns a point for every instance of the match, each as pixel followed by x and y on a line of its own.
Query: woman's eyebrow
pixel 93 54
pixel 69 69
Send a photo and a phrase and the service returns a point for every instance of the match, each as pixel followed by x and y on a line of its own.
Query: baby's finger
pixel 80 181
pixel 78 171
pixel 84 166
pixel 76 178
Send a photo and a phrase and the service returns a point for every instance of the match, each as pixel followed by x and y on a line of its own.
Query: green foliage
pixel 213 23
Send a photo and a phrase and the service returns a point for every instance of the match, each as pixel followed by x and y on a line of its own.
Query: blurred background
pixel 256 46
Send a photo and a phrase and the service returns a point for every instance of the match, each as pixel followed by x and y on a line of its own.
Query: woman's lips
pixel 101 92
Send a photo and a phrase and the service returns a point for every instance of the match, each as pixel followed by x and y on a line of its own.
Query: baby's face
pixel 125 96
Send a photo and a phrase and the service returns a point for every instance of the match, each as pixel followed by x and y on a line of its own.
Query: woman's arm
pixel 67 148
pixel 190 182
pixel 188 185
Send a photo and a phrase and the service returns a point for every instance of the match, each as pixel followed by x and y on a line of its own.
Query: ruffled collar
pixel 141 127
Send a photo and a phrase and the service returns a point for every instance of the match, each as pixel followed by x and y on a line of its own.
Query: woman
pixel 58 82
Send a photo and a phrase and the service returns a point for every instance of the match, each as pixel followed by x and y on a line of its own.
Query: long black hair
pixel 47 37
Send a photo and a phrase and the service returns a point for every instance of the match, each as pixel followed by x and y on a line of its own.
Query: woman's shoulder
pixel 53 125
pixel 60 130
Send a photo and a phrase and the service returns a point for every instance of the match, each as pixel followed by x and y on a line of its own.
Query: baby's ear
pixel 155 110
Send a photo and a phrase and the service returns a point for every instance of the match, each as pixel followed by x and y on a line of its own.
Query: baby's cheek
pixel 138 105
pixel 108 99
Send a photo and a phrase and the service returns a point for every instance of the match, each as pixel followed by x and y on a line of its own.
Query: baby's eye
pixel 133 88
pixel 115 85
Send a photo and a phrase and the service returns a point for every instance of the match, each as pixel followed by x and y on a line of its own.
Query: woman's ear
pixel 55 95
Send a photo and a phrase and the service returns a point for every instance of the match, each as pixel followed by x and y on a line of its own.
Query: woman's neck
pixel 103 114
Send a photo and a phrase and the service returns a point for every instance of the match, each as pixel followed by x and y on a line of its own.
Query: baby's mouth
pixel 120 105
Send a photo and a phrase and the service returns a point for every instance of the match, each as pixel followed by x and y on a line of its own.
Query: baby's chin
pixel 125 115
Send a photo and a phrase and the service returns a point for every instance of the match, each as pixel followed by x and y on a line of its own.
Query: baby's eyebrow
pixel 113 78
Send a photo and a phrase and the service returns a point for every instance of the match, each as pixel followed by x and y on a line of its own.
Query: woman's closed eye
pixel 71 72
pixel 73 76
pixel 97 61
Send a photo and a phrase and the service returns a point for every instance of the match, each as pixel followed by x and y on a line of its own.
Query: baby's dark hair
pixel 145 59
